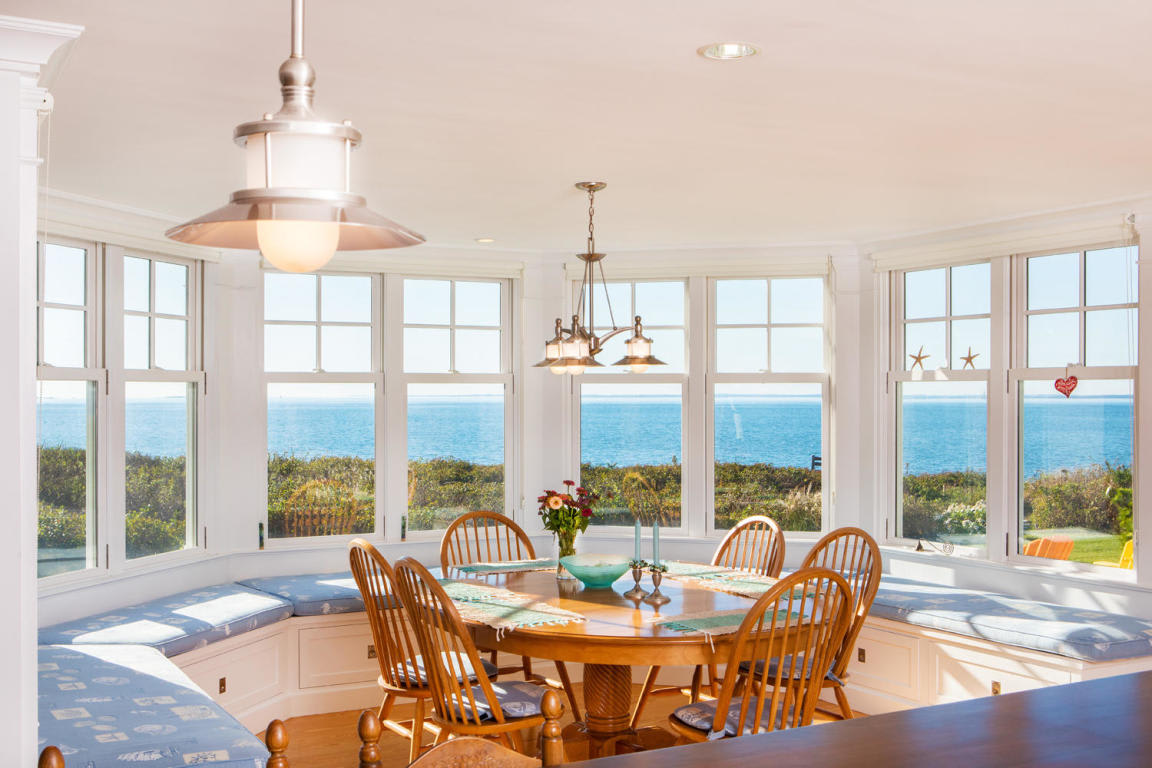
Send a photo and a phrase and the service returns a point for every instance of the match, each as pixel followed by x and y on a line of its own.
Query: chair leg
pixel 441 737
pixel 842 700
pixel 415 742
pixel 517 743
pixel 649 683
pixel 527 661
pixel 574 705
pixel 713 680
pixel 386 706
pixel 697 675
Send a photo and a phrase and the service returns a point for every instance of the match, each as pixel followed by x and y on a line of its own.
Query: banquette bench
pixel 294 645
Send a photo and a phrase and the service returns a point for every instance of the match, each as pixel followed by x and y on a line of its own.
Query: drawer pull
pixel 223 684
pixel 861 655
pixel 371 651
pixel 995 687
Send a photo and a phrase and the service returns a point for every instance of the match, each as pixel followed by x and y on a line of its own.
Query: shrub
pixel 60 528
pixel 151 535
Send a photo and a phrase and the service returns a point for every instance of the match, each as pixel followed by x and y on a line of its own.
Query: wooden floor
pixel 330 740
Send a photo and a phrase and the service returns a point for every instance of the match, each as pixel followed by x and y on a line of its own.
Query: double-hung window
pixel 457 383
pixel 1078 326
pixel 941 356
pixel 162 379
pixel 767 387
pixel 69 369
pixel 631 425
pixel 322 369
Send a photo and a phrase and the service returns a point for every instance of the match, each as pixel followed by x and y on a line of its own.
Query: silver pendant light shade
pixel 298 209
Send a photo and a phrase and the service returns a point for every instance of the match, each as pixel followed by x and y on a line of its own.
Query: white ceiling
pixel 858 120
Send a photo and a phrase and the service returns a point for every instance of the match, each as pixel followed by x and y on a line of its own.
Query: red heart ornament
pixel 1066 385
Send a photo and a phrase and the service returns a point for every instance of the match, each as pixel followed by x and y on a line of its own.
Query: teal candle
pixel 656 543
pixel 638 555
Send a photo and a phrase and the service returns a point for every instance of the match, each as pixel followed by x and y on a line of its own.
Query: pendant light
pixel 573 349
pixel 298 208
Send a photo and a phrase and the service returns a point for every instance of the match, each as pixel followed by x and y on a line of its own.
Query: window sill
pixel 93 577
pixel 1080 576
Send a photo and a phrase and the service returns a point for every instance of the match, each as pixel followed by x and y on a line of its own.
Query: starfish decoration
pixel 968 358
pixel 918 359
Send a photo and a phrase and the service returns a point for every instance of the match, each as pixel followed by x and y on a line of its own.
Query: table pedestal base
pixel 608 714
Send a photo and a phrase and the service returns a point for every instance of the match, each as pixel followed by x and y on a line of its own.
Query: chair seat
pixel 796 672
pixel 702 714
pixel 416 669
pixel 516 698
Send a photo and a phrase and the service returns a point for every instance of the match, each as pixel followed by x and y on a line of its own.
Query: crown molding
pixel 71 215
pixel 1100 223
pixel 794 260
pixel 27 44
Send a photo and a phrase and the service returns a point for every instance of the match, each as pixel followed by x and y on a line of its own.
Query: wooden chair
pixel 801 623
pixel 755 544
pixel 462 708
pixel 1057 547
pixel 322 507
pixel 396 649
pixel 489 537
pixel 1125 558
pixel 855 555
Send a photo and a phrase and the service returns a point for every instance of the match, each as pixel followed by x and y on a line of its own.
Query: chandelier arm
pixel 614 332
pixel 607 296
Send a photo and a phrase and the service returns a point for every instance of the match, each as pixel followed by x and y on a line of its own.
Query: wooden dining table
pixel 618 634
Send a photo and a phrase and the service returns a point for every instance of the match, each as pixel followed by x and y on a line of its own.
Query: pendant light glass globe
pixel 298 246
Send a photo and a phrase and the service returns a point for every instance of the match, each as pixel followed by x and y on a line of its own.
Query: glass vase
pixel 565 546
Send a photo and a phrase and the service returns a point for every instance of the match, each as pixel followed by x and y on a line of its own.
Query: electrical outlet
pixel 995 687
pixel 371 651
pixel 861 656
pixel 223 684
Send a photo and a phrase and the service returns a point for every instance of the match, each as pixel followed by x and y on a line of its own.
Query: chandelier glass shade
pixel 574 349
pixel 298 209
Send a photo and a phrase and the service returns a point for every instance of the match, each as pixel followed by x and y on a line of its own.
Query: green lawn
pixel 1090 546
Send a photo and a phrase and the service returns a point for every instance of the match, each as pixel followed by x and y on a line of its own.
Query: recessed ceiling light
pixel 727 51
pixel 485 240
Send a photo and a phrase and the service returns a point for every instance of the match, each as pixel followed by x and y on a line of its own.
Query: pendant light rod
pixel 297 29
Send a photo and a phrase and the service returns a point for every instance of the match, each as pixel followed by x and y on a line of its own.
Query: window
pixel 631 451
pixel 118 333
pixel 322 379
pixel 942 355
pixel 160 405
pixel 631 445
pixel 1013 386
pixel 456 383
pixel 66 408
pixel 767 386
pixel 1075 475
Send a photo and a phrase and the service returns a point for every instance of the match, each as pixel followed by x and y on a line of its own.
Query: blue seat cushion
pixel 702 715
pixel 176 624
pixel 516 698
pixel 105 705
pixel 1073 632
pixel 313 594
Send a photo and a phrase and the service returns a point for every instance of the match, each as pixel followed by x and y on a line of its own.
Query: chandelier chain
pixel 591 220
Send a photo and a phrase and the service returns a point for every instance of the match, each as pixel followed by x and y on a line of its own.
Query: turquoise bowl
pixel 596 571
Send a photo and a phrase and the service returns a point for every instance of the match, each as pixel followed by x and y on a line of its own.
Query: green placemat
pixel 503 609
pixel 510 566
pixel 712 623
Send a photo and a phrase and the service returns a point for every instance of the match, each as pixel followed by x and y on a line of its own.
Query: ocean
pixel 939 434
